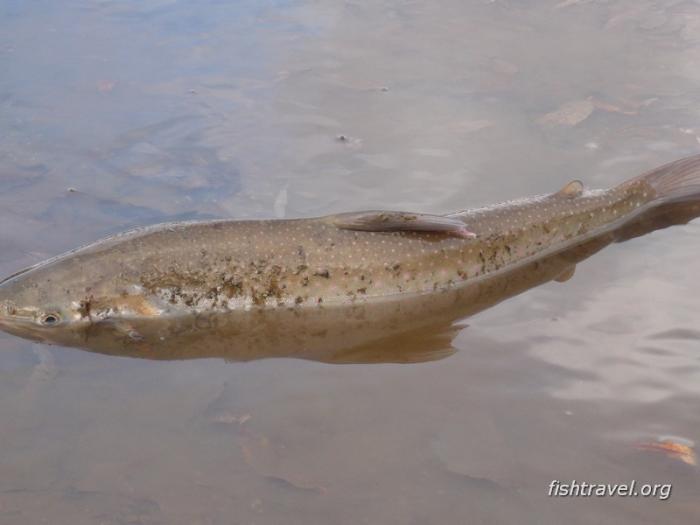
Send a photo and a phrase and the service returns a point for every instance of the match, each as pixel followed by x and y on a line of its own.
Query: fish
pixel 418 328
pixel 358 275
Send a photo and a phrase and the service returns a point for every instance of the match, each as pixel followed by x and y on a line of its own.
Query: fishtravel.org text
pixel 584 489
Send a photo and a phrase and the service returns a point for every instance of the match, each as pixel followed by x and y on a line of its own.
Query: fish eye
pixel 50 319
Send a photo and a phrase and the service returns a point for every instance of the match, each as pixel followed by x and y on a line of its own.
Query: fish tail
pixel 673 182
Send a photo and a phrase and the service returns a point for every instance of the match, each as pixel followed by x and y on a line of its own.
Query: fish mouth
pixel 13 317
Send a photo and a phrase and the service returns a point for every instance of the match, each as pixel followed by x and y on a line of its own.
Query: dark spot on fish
pixel 84 307
pixel 323 273
pixel 257 297
pixel 232 288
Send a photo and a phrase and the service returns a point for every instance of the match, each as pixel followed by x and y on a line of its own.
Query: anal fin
pixel 128 331
pixel 566 274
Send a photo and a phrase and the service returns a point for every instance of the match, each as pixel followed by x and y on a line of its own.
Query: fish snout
pixel 9 319
pixel 11 316
pixel 7 309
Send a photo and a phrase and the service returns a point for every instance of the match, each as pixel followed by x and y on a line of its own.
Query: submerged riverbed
pixel 122 113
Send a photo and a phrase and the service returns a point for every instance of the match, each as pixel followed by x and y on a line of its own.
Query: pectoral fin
pixel 571 190
pixel 394 221
pixel 566 274
pixel 128 331
pixel 122 328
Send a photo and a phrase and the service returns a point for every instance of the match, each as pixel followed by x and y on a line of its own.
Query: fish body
pixel 349 259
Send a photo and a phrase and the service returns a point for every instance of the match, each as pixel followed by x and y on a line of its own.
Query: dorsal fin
pixel 394 221
pixel 571 190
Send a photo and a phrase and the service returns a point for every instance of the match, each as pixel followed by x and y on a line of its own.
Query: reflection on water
pixel 124 113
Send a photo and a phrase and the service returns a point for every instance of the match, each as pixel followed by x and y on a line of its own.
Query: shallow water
pixel 123 113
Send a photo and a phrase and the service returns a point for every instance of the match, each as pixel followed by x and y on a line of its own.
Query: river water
pixel 118 113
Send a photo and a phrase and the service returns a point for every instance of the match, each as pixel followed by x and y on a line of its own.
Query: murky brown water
pixel 164 109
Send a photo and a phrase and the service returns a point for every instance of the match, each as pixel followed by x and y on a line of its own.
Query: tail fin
pixel 673 182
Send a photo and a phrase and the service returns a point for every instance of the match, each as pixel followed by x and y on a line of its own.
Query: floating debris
pixel 674 447
pixel 568 114
pixel 613 108
pixel 624 107
pixel 349 141
pixel 105 86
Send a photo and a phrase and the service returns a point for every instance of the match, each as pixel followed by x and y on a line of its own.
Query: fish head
pixel 43 302
pixel 74 296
